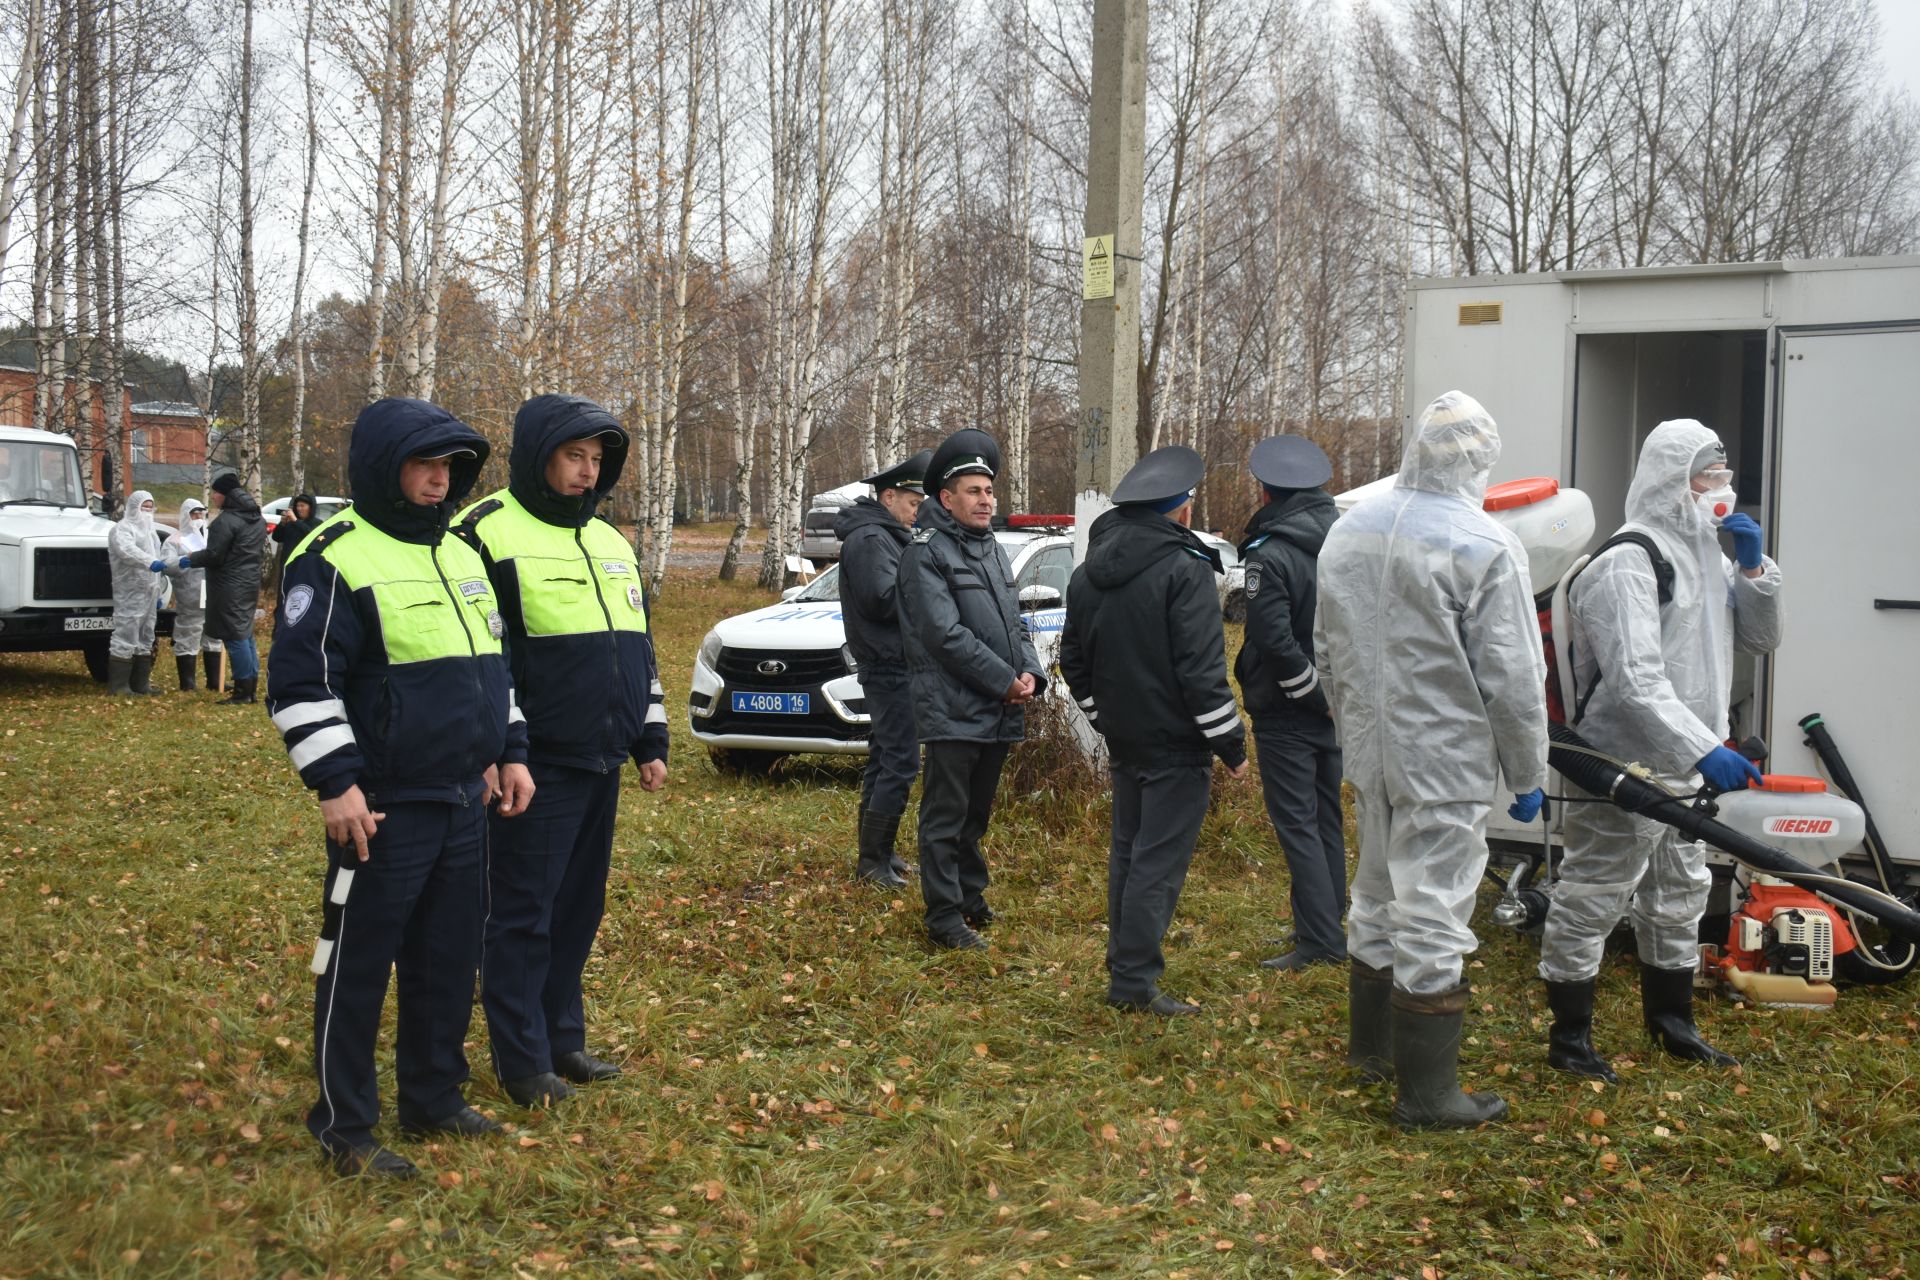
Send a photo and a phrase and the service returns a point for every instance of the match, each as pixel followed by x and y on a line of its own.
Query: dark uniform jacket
pixel 1143 650
pixel 871 541
pixel 569 585
pixel 960 627
pixel 233 556
pixel 1281 552
pixel 388 670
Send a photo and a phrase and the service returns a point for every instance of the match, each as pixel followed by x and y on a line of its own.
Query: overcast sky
pixel 1900 43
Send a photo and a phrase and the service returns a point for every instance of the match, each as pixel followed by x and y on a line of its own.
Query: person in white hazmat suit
pixel 1428 643
pixel 1653 666
pixel 132 549
pixel 189 591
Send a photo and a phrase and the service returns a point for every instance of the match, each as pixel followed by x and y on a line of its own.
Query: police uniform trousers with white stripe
pixel 1300 779
pixel 956 803
pixel 546 893
pixel 893 744
pixel 1157 812
pixel 413 908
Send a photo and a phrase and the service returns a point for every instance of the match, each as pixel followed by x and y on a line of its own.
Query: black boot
pixel 1666 1001
pixel 877 832
pixel 183 667
pixel 1426 1062
pixel 119 676
pixel 1370 1021
pixel 542 1090
pixel 243 691
pixel 210 663
pixel 1570 1039
pixel 581 1067
pixel 140 681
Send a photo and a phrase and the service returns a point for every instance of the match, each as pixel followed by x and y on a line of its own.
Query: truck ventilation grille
pixel 1480 312
pixel 72 573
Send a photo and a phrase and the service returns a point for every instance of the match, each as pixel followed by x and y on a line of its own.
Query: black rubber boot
pixel 1370 1021
pixel 1570 1039
pixel 119 676
pixel 1426 1063
pixel 877 832
pixel 1666 1001
pixel 210 663
pixel 243 691
pixel 140 681
pixel 581 1067
pixel 183 667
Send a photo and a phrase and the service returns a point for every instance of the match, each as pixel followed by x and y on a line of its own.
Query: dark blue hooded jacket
pixel 569 586
pixel 388 669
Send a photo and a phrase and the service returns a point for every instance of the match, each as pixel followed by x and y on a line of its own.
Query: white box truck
pixel 1810 372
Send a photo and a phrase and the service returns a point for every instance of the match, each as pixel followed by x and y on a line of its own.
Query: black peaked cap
pixel 1162 474
pixel 911 474
pixel 1290 462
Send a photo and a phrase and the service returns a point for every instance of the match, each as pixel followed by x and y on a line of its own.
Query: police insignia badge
pixel 637 598
pixel 1253 581
pixel 496 626
pixel 299 600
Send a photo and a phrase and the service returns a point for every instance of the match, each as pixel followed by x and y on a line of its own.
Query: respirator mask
pixel 1715 502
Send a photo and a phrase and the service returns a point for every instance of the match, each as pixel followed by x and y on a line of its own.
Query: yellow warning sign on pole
pixel 1096 273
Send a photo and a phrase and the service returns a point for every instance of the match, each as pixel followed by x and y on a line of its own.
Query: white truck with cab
pixel 56 590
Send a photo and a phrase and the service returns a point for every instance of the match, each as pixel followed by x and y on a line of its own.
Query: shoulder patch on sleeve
pixel 1253 581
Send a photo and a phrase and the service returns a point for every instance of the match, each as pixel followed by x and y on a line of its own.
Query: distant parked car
pixel 322 507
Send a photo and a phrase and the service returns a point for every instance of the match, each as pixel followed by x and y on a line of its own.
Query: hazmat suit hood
pixel 137 517
pixel 1661 495
pixel 1453 450
pixel 186 536
pixel 542 425
pixel 385 435
pixel 1128 540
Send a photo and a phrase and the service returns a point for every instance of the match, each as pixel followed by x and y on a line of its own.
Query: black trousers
pixel 412 908
pixel 956 800
pixel 1300 778
pixel 546 892
pixel 893 745
pixel 1157 812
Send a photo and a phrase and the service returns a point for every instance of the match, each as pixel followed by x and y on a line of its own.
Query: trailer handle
pixel 1896 604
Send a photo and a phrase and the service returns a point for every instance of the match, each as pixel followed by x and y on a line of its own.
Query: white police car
pixel 780 681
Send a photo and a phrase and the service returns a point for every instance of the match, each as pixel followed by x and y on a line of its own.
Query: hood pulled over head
pixel 542 425
pixel 385 435
pixel 1453 450
pixel 1661 495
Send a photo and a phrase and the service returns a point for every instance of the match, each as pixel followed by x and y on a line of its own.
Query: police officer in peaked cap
pixel 1146 659
pixel 1299 754
pixel 973 671
pixel 873 532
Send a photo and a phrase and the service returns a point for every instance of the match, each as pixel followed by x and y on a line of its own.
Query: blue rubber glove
pixel 157 565
pixel 1727 770
pixel 185 563
pixel 1745 532
pixel 1525 808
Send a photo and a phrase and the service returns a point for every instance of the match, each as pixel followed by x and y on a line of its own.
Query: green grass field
pixel 811 1091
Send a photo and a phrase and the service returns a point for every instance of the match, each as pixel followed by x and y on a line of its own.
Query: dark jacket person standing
pixel 233 556
pixel 585 673
pixel 1146 658
pixel 296 522
pixel 392 692
pixel 973 671
pixel 1299 752
pixel 873 532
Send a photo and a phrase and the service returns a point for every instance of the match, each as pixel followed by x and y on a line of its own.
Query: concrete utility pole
pixel 1110 293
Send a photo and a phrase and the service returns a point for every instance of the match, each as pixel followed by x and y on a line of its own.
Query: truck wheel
pixel 744 761
pixel 96 656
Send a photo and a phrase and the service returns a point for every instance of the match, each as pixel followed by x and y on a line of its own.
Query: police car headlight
pixel 710 651
pixel 846 656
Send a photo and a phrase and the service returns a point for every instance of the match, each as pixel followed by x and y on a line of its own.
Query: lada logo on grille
pixel 771 667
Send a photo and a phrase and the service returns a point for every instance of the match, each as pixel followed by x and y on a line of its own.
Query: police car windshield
pixel 41 474
pixel 824 587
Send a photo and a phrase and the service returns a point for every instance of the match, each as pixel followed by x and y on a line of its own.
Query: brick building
pixel 162 442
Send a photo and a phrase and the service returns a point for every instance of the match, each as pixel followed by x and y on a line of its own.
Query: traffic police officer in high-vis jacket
pixel 391 689
pixel 585 672
pixel 1145 657
pixel 973 670
pixel 1299 752
pixel 873 531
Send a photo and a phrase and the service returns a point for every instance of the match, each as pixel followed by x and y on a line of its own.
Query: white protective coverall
pixel 1429 644
pixel 132 548
pixel 1665 676
pixel 189 585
